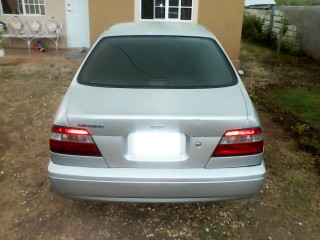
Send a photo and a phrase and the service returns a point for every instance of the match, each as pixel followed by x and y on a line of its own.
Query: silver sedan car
pixel 156 113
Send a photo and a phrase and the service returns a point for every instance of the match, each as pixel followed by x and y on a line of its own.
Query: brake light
pixel 240 142
pixel 73 141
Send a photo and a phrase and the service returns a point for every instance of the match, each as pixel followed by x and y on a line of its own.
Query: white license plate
pixel 156 145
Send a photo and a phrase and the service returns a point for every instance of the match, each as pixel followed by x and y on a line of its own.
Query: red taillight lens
pixel 240 142
pixel 73 141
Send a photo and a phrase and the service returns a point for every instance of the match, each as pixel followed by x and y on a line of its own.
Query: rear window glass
pixel 157 62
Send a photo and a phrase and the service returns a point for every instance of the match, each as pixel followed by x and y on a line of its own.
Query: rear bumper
pixel 156 185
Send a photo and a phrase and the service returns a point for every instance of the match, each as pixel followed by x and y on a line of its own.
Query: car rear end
pixel 156 117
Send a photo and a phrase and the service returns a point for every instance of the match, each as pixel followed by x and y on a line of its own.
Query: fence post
pixel 270 27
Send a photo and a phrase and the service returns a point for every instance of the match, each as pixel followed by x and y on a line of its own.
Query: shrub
pixel 252 31
pixel 252 27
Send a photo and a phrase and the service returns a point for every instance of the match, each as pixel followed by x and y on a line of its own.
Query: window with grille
pixel 167 9
pixel 24 7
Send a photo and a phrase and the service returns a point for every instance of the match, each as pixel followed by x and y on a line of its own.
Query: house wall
pixel 223 18
pixel 104 14
pixel 53 9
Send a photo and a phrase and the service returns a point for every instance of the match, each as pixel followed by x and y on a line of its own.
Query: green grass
pixel 303 103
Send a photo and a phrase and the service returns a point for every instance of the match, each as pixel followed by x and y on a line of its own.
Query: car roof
pixel 151 28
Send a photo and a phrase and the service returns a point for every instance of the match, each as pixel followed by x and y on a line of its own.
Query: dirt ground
pixel 287 207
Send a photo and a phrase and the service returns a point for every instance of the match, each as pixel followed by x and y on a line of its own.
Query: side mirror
pixel 241 73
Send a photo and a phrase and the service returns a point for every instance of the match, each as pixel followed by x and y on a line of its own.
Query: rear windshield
pixel 157 62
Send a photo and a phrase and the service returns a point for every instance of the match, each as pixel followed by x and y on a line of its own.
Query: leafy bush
pixel 291 49
pixel 252 27
pixel 252 31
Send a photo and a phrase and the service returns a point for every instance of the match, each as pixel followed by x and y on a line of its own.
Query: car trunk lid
pixel 125 122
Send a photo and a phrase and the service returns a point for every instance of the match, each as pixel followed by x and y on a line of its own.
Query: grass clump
pixel 302 102
pixel 289 87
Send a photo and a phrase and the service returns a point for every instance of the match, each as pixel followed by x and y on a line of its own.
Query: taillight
pixel 240 142
pixel 73 141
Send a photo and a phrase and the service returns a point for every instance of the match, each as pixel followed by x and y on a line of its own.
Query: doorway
pixel 77 14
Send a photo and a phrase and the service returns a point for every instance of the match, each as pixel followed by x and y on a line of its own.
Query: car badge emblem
pixel 90 125
pixel 157 126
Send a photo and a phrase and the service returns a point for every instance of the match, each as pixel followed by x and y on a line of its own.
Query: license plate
pixel 156 145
